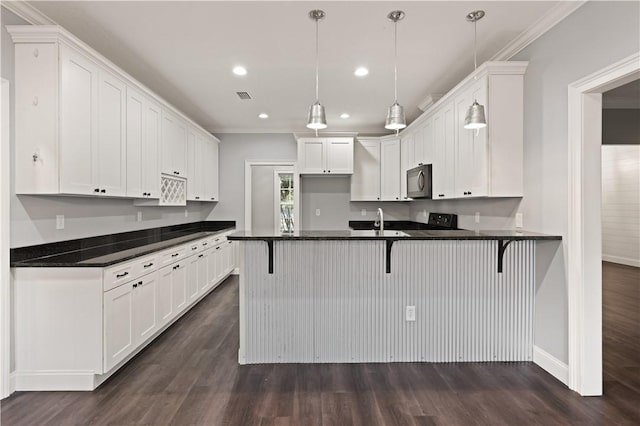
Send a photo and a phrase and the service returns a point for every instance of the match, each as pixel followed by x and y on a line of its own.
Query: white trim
pixel 24 10
pixel 55 380
pixel 5 243
pixel 549 20
pixel 302 135
pixel 584 252
pixel 551 364
pixel 621 260
pixel 247 188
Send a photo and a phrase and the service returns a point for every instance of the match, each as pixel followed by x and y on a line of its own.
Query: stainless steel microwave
pixel 419 182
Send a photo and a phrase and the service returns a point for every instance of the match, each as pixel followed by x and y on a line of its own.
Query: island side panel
pixel 331 301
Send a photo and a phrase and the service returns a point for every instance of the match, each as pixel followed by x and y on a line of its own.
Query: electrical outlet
pixel 139 217
pixel 60 221
pixel 317 212
pixel 424 213
pixel 477 217
pixel 186 213
pixel 363 212
pixel 519 220
pixel 410 313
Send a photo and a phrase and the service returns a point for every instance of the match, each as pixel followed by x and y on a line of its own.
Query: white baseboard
pixel 621 260
pixel 551 364
pixel 12 382
pixel 54 381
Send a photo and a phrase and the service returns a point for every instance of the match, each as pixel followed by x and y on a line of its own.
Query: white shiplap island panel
pixel 331 301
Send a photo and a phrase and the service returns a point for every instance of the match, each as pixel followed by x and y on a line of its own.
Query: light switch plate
pixel 519 220
pixel 60 221
pixel 139 216
pixel 477 217
pixel 411 313
pixel 317 212
pixel 363 212
pixel 186 213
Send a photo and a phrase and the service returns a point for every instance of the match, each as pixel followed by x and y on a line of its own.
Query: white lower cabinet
pixel 95 319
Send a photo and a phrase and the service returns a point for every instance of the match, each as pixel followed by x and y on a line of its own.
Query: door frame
pixel 5 244
pixel 247 188
pixel 584 234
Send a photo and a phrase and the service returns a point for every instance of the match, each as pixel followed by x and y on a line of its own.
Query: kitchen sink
pixel 378 233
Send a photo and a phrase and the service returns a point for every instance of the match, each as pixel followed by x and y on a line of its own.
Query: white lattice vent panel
pixel 173 191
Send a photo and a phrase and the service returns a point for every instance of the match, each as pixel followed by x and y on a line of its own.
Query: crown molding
pixel 549 20
pixel 27 12
pixel 429 100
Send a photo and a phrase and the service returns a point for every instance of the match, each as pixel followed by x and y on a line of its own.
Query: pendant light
pixel 395 115
pixel 475 118
pixel 317 118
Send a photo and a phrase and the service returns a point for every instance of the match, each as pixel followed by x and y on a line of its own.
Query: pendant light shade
pixel 475 118
pixel 395 114
pixel 317 118
pixel 395 117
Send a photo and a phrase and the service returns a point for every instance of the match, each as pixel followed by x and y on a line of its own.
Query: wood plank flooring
pixel 190 376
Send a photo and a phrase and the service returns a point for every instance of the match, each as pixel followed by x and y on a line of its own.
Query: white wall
pixel 33 217
pixel 595 36
pixel 621 204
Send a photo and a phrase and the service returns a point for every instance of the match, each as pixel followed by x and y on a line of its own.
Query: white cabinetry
pixel 325 155
pixel 443 172
pixel 202 165
pixel 365 181
pixel 85 127
pixel 390 170
pixel 376 175
pixel 118 325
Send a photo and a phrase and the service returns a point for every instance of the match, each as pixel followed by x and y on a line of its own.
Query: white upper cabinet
pixel 85 127
pixel 211 171
pixel 174 144
pixel 390 170
pixel 365 181
pixel 78 147
pixel 469 163
pixel 111 161
pixel 325 156
pixel 202 166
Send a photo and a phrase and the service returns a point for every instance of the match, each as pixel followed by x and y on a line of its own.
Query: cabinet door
pixel 418 146
pixel 226 252
pixel 164 298
pixel 390 170
pixel 212 272
pixel 464 148
pixel 179 287
pixel 150 148
pixel 203 152
pixel 203 271
pixel 443 167
pixel 118 324
pixel 134 138
pixel 112 159
pixel 212 171
pixel 145 305
pixel 179 149
pixel 311 156
pixel 78 123
pixel 406 161
pixel 192 278
pixel 480 173
pixel 174 137
pixel 339 155
pixel 193 178
pixel 429 149
pixel 219 263
pixel 365 181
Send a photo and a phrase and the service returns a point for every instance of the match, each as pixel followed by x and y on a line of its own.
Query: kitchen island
pixel 391 296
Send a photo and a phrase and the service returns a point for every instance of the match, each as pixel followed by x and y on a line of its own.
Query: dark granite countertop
pixel 461 234
pixel 108 250
pixel 395 225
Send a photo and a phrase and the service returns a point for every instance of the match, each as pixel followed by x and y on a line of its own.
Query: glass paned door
pixel 284 202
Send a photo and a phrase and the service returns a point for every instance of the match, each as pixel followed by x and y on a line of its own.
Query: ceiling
pixel 185 52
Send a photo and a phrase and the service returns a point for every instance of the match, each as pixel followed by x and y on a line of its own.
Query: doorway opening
pixel 271 197
pixel 584 239
pixel 621 240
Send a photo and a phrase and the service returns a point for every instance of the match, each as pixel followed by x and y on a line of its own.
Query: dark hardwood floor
pixel 190 376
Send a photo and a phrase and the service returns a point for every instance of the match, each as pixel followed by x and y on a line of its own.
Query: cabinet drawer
pixel 174 255
pixel 194 247
pixel 119 274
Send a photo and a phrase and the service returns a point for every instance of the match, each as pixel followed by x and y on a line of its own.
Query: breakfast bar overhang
pixel 344 296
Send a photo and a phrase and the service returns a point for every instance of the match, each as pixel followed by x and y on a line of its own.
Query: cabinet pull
pixel 217 239
pixel 135 285
pixel 194 248
pixel 396 198
pixel 177 266
pixel 329 171
pixel 175 254
pixel 201 255
pixel 140 283
pixel 205 243
pixel 96 190
pixel 213 198
pixel 469 192
pixel 104 191
pixel 124 274
pixel 217 248
pixel 148 265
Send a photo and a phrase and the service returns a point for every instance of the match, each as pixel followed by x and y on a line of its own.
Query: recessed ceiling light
pixel 239 70
pixel 263 115
pixel 361 72
pixel 344 115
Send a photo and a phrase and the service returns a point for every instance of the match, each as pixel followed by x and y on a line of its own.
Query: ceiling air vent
pixel 243 95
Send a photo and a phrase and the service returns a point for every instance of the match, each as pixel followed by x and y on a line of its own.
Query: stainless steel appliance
pixel 419 182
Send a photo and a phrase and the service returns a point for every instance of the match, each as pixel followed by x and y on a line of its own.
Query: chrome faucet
pixel 379 219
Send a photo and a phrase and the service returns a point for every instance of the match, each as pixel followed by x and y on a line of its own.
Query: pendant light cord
pixel 395 61
pixel 475 44
pixel 317 61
